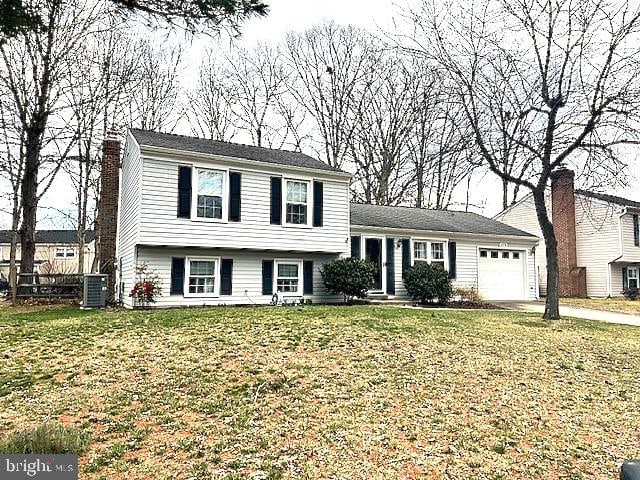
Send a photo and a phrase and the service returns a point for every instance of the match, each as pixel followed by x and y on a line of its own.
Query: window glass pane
pixel 420 250
pixel 516 255
pixel 505 254
pixel 494 254
pixel 296 192
pixel 296 213
pixel 287 285
pixel 60 252
pixel 287 270
pixel 210 182
pixel 199 267
pixel 209 207
pixel 437 251
pixel 483 253
pixel 201 284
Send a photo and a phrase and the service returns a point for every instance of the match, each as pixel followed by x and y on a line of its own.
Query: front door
pixel 373 253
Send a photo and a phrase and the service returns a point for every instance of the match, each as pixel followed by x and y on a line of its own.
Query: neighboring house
pixel 224 223
pixel 598 238
pixel 56 251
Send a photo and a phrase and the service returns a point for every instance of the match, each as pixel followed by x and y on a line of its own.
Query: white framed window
pixel 437 254
pixel 632 277
pixel 65 252
pixel 429 251
pixel 296 205
pixel 420 251
pixel 202 277
pixel 209 194
pixel 288 278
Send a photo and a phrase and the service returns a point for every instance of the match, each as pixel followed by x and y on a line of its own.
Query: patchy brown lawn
pixel 620 305
pixel 326 392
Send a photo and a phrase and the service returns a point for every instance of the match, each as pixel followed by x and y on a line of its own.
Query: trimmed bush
pixel 632 293
pixel 52 438
pixel 351 277
pixel 428 284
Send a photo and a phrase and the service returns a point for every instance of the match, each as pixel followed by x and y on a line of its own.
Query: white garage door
pixel 501 274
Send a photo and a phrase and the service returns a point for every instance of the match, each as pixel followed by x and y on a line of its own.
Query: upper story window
pixel 432 252
pixel 297 200
pixel 65 252
pixel 209 194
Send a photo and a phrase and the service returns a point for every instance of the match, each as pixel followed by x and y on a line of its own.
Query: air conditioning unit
pixel 95 290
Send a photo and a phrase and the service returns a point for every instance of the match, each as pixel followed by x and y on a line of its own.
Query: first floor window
pixel 65 252
pixel 633 280
pixel 288 278
pixel 296 202
pixel 437 254
pixel 420 251
pixel 202 277
pixel 210 189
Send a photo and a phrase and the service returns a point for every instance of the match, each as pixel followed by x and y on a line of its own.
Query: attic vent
pixel 95 290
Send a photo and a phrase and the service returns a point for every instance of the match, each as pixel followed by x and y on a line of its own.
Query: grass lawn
pixel 620 305
pixel 326 392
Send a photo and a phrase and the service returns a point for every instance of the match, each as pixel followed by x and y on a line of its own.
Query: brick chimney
pixel 108 210
pixel 572 281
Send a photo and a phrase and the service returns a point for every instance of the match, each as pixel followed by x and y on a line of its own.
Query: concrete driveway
pixel 565 311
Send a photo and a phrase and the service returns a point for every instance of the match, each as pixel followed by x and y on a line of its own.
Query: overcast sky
pixel 296 15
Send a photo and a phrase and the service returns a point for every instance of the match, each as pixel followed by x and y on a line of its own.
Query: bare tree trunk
pixel 30 201
pixel 552 308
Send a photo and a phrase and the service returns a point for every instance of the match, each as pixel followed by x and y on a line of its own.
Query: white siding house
pixel 606 242
pixel 497 261
pixel 221 223
pixel 207 237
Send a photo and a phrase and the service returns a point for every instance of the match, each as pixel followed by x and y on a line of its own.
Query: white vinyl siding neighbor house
pixel 221 223
pixel 605 241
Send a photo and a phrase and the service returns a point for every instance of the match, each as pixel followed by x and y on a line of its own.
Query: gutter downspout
pixel 621 244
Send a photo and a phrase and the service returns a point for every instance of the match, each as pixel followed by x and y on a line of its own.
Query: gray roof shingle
pixel 410 218
pixel 236 150
pixel 52 236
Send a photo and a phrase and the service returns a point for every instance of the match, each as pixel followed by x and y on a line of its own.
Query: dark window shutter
pixel 184 192
pixel 406 256
pixel 276 200
pixel 318 202
pixel 636 231
pixel 307 274
pixel 355 246
pixel 452 260
pixel 226 276
pixel 177 275
pixel 625 278
pixel 391 271
pixel 267 277
pixel 235 180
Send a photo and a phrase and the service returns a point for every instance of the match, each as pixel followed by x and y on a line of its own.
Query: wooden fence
pixel 50 285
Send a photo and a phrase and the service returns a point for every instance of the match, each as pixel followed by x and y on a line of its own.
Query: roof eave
pixel 526 237
pixel 152 149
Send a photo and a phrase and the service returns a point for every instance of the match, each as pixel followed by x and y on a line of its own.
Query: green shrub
pixel 350 277
pixel 51 438
pixel 632 293
pixel 428 283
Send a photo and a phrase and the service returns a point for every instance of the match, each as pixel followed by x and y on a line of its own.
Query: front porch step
pixel 381 299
